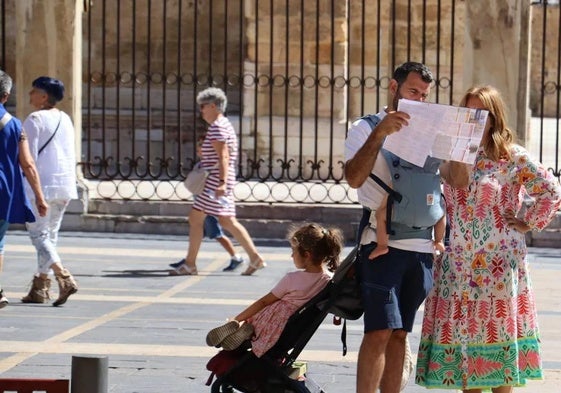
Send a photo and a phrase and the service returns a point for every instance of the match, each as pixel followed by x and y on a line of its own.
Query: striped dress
pixel 223 131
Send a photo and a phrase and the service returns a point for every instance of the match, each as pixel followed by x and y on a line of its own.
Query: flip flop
pixel 254 266
pixel 184 270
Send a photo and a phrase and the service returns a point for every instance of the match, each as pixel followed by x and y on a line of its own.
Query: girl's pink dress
pixel 293 290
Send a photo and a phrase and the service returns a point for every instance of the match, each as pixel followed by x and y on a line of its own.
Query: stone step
pixel 263 221
pixel 266 221
pixel 549 237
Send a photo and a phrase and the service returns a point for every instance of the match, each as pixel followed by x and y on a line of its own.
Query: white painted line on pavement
pixel 55 343
pixel 151 350
pixel 145 254
pixel 156 299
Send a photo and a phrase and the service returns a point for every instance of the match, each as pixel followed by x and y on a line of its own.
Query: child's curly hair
pixel 323 244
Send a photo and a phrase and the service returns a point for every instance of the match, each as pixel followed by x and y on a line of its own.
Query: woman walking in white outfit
pixel 51 141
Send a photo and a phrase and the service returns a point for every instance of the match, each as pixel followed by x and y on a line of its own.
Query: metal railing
pixel 291 96
pixel 293 81
pixel 548 112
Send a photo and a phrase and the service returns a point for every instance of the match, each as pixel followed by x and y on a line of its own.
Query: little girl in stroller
pixel 315 250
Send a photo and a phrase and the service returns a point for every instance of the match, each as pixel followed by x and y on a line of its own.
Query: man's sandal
pixel 184 270
pixel 254 266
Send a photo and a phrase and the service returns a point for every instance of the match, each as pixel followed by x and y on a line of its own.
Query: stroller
pixel 271 372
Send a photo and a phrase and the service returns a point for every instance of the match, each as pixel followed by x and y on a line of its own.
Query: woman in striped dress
pixel 218 154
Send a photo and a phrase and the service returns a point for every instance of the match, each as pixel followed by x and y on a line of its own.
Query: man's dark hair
pixel 401 72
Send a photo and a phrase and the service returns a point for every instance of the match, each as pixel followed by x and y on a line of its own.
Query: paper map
pixel 441 131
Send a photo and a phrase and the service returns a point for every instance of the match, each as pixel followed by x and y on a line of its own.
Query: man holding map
pixel 389 306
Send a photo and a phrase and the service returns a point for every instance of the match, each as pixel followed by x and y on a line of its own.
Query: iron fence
pixel 294 82
pixel 547 103
pixel 296 73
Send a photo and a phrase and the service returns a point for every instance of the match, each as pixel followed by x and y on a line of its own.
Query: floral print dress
pixel 480 324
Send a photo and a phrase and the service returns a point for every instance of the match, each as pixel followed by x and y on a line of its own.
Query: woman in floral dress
pixel 480 327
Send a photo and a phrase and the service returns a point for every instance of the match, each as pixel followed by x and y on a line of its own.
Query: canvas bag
pixel 196 179
pixel 408 364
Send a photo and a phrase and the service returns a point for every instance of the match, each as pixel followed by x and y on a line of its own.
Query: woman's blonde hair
pixel 499 138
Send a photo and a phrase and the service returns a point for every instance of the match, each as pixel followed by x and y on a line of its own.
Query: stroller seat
pixel 270 372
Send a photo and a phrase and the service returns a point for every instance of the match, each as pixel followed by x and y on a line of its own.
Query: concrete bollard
pixel 89 374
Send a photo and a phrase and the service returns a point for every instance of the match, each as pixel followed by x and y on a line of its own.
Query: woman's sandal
pixel 184 270
pixel 253 267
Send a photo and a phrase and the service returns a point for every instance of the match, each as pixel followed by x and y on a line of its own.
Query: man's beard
pixel 396 98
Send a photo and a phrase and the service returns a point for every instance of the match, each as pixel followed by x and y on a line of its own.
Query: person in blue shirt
pixel 15 157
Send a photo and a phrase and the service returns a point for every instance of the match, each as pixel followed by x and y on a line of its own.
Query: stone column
pixel 49 42
pixel 497 53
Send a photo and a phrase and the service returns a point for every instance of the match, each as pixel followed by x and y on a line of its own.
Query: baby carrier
pixel 415 201
pixel 271 372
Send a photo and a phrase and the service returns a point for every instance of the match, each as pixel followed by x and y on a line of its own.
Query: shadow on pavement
pixel 140 273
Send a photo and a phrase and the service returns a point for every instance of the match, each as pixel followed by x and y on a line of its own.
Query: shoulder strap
pixel 372 120
pixel 393 195
pixel 5 120
pixel 52 136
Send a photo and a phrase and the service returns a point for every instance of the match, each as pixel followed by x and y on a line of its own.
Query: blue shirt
pixel 14 205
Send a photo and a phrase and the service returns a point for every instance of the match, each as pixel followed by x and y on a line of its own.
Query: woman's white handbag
pixel 196 179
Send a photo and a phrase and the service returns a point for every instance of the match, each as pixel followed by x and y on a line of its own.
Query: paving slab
pixel 152 327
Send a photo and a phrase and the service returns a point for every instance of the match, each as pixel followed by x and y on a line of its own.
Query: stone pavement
pixel 152 326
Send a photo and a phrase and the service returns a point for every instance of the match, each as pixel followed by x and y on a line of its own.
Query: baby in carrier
pixel 383 236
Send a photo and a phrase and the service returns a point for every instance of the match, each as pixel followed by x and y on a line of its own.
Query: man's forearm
pixel 359 167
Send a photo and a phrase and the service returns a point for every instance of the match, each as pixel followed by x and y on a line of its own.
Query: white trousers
pixel 44 233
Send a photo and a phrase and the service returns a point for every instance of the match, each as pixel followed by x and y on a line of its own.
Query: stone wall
pixel 337 61
pixel 293 117
pixel 189 53
pixel 348 56
pixel 169 38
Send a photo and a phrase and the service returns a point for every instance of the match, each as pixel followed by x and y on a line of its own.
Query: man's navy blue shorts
pixel 394 286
